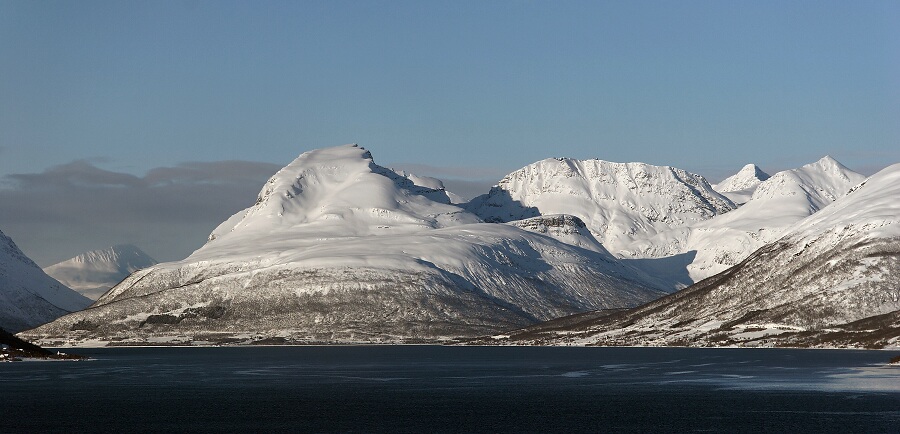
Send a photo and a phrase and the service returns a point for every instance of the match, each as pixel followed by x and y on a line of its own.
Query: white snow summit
pixel 740 186
pixel 778 202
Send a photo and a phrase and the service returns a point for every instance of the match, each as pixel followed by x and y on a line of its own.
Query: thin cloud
pixel 75 207
pixel 77 173
pixel 218 172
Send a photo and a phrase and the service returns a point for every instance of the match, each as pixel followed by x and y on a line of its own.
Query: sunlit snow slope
pixel 339 249
pixel 740 186
pixel 28 297
pixel 777 203
pixel 619 202
pixel 832 279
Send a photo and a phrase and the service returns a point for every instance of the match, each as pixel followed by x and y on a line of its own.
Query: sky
pixel 151 122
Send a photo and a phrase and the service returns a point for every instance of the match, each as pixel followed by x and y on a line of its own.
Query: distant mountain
pixel 28 296
pixel 832 279
pixel 619 202
pixel 777 203
pixel 339 249
pixel 740 186
pixel 93 273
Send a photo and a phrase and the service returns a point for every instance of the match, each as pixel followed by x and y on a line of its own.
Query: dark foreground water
pixel 428 389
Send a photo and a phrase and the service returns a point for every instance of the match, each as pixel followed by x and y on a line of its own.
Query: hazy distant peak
pixel 120 253
pixel 92 273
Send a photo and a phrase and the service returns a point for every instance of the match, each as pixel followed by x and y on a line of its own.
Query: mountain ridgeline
pixel 93 273
pixel 339 249
pixel 831 280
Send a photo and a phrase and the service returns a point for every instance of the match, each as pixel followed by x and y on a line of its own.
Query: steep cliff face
pixel 339 249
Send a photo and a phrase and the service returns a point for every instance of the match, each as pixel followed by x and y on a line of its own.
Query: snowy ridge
pixel 833 279
pixel 871 210
pixel 29 297
pixel 343 184
pixel 93 273
pixel 740 186
pixel 782 200
pixel 619 202
pixel 820 183
pixel 339 249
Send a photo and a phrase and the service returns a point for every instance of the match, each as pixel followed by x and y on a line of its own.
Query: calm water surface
pixel 453 389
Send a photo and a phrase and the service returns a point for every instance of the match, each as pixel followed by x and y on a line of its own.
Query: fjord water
pixel 453 389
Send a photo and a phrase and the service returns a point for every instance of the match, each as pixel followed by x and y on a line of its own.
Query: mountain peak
pixel 829 280
pixel 617 201
pixel 829 159
pixel 820 183
pixel 829 164
pixel 871 206
pixel 92 273
pixel 339 192
pixel 28 296
pixel 755 171
pixel 119 253
pixel 748 178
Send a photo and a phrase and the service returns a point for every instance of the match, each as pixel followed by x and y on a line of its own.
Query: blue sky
pixel 454 89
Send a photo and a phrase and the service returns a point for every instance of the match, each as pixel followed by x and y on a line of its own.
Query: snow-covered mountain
pixel 832 279
pixel 337 248
pixel 740 186
pixel 93 273
pixel 28 296
pixel 777 203
pixel 619 202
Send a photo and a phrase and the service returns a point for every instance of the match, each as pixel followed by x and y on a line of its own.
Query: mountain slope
pixel 740 186
pixel 29 297
pixel 619 202
pixel 833 279
pixel 339 249
pixel 93 273
pixel 777 203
